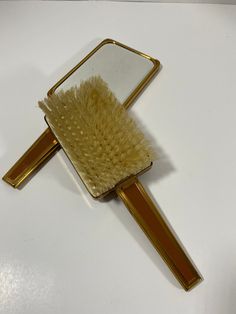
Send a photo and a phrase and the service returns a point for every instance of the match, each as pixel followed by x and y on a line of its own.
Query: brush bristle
pixel 100 138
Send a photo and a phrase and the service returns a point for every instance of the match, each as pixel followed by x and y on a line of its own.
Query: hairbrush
pixel 109 151
pixel 128 70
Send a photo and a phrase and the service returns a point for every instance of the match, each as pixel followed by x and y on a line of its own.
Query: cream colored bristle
pixel 100 138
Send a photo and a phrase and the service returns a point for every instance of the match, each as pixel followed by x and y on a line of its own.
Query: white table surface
pixel 63 252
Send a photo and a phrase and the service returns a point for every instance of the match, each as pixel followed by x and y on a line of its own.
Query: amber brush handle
pixel 39 152
pixel 154 226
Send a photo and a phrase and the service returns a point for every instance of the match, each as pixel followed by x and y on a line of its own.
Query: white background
pixel 61 251
pixel 181 1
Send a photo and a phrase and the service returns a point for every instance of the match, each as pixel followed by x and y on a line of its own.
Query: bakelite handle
pixel 149 218
pixel 39 152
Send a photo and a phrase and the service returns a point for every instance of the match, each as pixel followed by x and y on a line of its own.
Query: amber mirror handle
pixel 35 156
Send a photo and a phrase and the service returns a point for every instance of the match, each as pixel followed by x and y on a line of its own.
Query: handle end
pixel 149 218
pixel 32 159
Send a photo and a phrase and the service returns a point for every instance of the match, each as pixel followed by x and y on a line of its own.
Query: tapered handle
pixel 34 157
pixel 153 224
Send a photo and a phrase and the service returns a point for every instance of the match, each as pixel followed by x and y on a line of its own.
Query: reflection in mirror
pixel 121 68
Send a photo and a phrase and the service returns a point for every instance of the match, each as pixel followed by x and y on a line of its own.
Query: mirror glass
pixel 121 68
